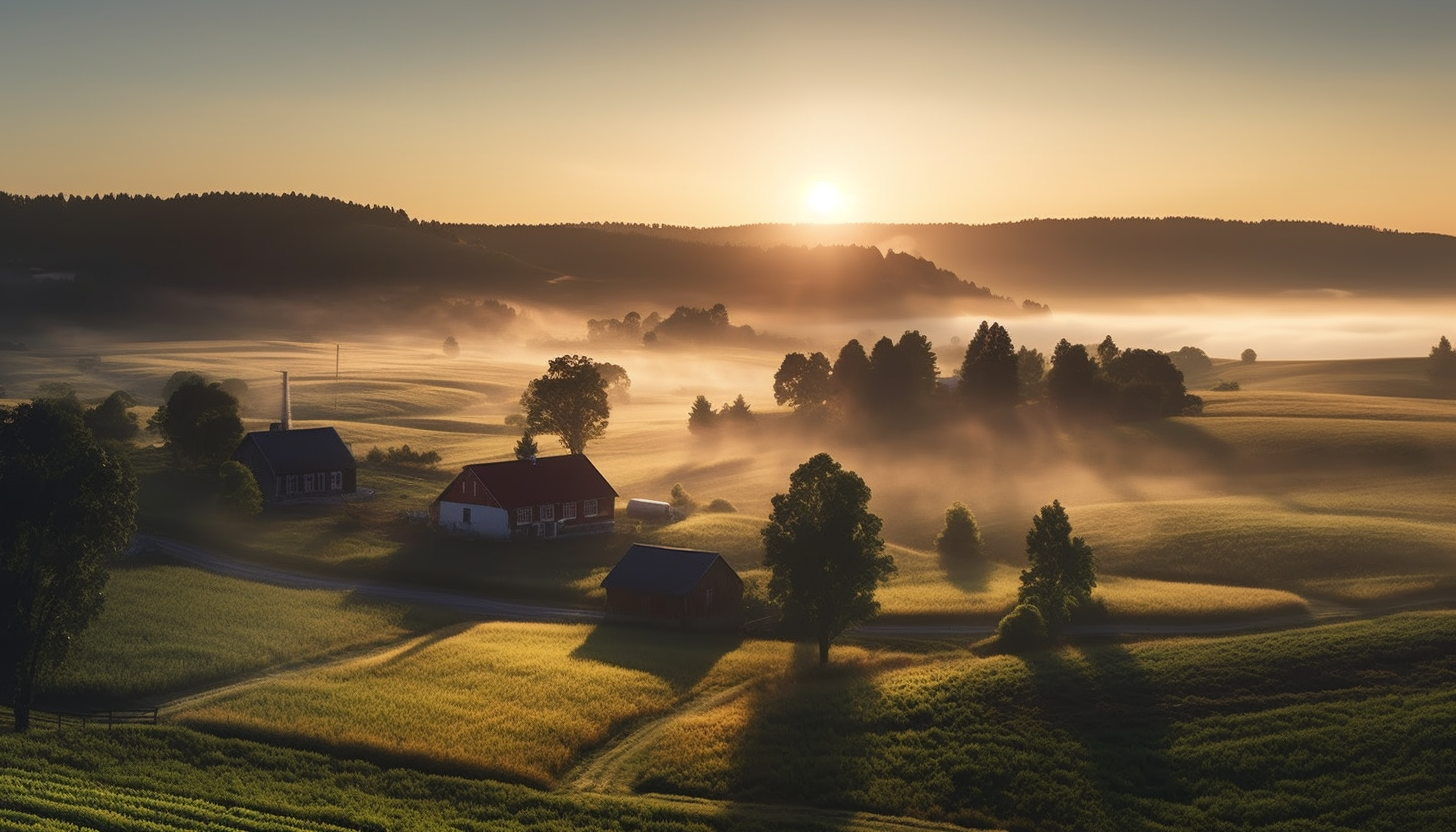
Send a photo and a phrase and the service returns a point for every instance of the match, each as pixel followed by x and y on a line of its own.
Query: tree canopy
pixel 802 381
pixel 68 507
pixel 1061 572
pixel 989 377
pixel 199 423
pixel 823 547
pixel 961 536
pixel 569 402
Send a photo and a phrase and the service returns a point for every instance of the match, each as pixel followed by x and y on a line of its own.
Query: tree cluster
pixel 199 423
pixel 687 325
pixel 402 457
pixel 1127 385
pixel 735 415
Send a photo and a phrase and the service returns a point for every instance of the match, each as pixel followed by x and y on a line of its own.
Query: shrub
pixel 238 491
pixel 1023 628
pixel 961 537
pixel 402 456
pixel 1225 386
pixel 1248 356
pixel 720 506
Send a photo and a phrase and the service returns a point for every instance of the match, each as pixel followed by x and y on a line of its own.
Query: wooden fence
pixel 61 719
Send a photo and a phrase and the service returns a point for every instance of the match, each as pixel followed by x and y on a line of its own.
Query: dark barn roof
pixel 661 570
pixel 548 479
pixel 303 450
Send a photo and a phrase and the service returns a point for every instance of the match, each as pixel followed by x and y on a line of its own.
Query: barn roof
pixel 661 570
pixel 302 450
pixel 547 479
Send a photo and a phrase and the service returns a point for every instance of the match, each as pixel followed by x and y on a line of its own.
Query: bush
pixel 238 491
pixel 720 506
pixel 1225 386
pixel 402 456
pixel 1248 356
pixel 1023 628
pixel 961 537
pixel 682 500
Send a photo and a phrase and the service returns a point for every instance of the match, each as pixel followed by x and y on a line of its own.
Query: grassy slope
pixel 1336 727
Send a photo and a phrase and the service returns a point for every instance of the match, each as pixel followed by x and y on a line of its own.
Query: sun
pixel 824 198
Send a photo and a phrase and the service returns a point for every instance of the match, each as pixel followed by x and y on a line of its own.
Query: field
pixel 1319 491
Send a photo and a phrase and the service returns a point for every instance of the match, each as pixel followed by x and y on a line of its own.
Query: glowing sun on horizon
pixel 824 198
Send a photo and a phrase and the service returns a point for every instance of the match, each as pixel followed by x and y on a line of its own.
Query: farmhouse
pixel 683 587
pixel 298 464
pixel 545 497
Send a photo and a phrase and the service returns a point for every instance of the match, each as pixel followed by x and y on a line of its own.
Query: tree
pixel 451 346
pixel 702 418
pixel 736 412
pixel 1030 369
pixel 526 447
pixel 1107 351
pixel 238 490
pixel 68 507
pixel 989 377
pixel 1075 384
pixel 1442 363
pixel 1191 360
pixel 850 375
pixel 1248 356
pixel 619 385
pixel 1149 385
pixel 1062 573
pixel 570 402
pixel 199 423
pixel 823 547
pixel 177 380
pixel 112 420
pixel 961 537
pixel 802 381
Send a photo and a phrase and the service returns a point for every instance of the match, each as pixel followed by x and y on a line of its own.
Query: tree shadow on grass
pixel 1108 704
pixel 680 658
pixel 968 574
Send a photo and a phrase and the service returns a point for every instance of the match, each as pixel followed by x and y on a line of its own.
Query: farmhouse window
pixel 465 516
pixel 308 483
pixel 589 508
pixel 548 513
pixel 523 515
pixel 336 481
pixel 568 511
pixel 292 484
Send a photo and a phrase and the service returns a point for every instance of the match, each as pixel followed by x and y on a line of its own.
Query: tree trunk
pixel 21 706
pixel 823 650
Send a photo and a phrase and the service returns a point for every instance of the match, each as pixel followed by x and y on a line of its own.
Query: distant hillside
pixel 1061 261
pixel 119 260
pixel 612 261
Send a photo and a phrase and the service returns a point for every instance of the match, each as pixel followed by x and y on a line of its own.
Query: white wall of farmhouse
pixel 484 521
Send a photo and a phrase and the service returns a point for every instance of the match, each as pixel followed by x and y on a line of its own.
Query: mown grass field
pixel 166 629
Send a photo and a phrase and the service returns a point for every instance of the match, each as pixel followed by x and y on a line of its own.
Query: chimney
pixel 287 419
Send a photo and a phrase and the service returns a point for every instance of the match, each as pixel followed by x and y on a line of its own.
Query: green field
pixel 1318 489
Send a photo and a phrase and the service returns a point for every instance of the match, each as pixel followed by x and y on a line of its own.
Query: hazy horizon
pixel 711 115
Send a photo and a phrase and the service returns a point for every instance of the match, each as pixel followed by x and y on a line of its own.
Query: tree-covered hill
pixel 1061 261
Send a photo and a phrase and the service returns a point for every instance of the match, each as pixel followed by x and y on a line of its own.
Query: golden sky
pixel 712 113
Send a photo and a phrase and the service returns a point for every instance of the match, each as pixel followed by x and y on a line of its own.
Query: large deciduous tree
pixel 569 402
pixel 200 423
pixel 66 508
pixel 1061 572
pixel 823 547
pixel 802 381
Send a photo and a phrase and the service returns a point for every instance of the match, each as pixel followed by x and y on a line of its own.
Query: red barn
pixel 544 497
pixel 682 587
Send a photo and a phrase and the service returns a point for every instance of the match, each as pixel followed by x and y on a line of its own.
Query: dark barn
pixel 298 464
pixel 680 587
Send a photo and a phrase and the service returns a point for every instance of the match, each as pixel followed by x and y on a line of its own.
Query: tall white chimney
pixel 287 419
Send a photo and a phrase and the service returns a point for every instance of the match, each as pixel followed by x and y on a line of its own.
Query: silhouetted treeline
pixel 686 326
pixel 1100 257
pixel 898 382
pixel 613 261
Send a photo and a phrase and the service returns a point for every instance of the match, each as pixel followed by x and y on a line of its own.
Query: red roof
pixel 550 479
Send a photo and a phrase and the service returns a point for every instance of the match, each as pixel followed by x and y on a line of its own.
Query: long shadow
pixel 969 574
pixel 1109 705
pixel 680 658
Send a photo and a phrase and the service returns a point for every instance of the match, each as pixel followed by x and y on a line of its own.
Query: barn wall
pixel 485 521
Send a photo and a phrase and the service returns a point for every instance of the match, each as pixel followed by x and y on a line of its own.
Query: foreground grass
pixel 136 778
pixel 169 628
pixel 1330 728
pixel 519 702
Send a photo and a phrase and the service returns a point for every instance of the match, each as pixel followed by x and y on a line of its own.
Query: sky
pixel 724 113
